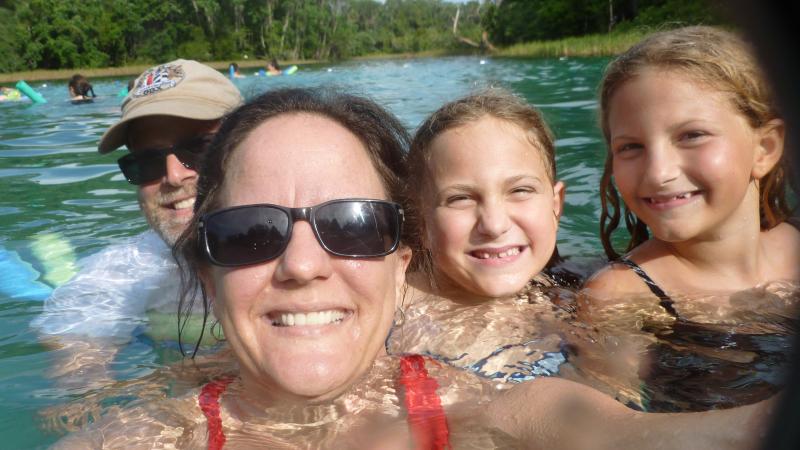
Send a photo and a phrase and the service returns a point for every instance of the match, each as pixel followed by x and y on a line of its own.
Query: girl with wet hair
pixel 696 170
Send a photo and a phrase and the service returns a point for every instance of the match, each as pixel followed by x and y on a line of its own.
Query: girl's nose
pixel 664 163
pixel 493 219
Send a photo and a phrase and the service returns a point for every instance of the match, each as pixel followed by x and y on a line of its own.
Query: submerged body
pixel 703 352
pixel 696 166
pixel 509 340
pixel 374 413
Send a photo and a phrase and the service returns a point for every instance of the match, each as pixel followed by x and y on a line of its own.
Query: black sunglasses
pixel 250 234
pixel 149 165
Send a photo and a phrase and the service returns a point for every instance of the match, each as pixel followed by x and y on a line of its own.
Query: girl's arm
pixel 553 413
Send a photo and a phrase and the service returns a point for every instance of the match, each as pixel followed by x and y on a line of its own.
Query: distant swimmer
pixel 233 70
pixel 10 94
pixel 273 68
pixel 80 90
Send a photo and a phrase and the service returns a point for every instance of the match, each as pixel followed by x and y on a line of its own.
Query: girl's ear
pixel 770 147
pixel 559 191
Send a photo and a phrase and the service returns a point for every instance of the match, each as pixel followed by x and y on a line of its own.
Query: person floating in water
pixel 80 90
pixel 233 69
pixel 482 182
pixel 168 120
pixel 273 68
pixel 9 94
pixel 696 170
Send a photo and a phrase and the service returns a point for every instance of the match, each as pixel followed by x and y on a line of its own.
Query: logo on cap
pixel 158 79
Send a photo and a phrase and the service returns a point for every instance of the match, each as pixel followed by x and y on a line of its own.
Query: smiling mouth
pixel 494 254
pixel 294 319
pixel 183 204
pixel 665 199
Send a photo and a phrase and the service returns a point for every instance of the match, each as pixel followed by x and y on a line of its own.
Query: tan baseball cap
pixel 180 88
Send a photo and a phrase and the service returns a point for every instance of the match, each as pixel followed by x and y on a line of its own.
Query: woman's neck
pixel 252 400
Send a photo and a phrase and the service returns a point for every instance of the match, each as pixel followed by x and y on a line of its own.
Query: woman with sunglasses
pixel 298 248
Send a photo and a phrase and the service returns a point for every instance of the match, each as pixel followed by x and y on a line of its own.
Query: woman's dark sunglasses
pixel 149 165
pixel 250 234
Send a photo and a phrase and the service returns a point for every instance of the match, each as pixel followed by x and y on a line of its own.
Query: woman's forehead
pixel 300 158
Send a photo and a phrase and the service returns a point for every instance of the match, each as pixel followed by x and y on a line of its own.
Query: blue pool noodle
pixel 231 72
pixel 35 97
pixel 18 280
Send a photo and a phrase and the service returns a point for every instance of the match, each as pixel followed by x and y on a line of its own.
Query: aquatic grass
pixel 589 45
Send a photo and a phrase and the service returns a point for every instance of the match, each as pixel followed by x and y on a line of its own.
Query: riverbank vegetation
pixel 62 34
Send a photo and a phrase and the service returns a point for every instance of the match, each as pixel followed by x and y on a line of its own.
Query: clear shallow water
pixel 57 189
pixel 61 200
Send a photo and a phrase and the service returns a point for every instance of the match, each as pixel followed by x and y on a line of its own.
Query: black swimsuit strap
pixel 665 301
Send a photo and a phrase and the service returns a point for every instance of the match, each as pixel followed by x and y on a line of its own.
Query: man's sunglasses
pixel 149 165
pixel 251 234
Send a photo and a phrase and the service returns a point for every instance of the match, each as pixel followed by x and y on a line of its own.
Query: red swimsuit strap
pixel 425 413
pixel 209 403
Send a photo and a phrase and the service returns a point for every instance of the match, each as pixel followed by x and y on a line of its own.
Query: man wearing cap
pixel 168 120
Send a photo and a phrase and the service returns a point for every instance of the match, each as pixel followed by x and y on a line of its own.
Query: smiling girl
pixel 696 154
pixel 485 204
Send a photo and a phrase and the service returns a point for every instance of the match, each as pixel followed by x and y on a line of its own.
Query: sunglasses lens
pixel 358 228
pixel 191 152
pixel 247 235
pixel 140 169
pixel 150 165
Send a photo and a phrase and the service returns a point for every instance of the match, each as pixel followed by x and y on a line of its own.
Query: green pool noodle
pixel 164 327
pixel 290 70
pixel 35 97
pixel 57 258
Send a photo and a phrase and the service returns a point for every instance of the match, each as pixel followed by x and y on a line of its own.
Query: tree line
pixel 55 34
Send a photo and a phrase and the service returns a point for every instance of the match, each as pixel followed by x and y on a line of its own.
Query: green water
pixel 55 187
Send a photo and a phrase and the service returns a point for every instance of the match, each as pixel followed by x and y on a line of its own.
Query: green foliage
pixel 11 60
pixel 514 21
pixel 678 13
pixel 54 34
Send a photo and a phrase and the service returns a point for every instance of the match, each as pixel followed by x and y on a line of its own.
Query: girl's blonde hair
pixel 493 102
pixel 715 58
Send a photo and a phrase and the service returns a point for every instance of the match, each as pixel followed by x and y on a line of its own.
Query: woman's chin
pixel 314 376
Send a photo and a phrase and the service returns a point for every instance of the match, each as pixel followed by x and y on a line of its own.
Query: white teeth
pixel 683 196
pixel 183 204
pixel 313 318
pixel 510 252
